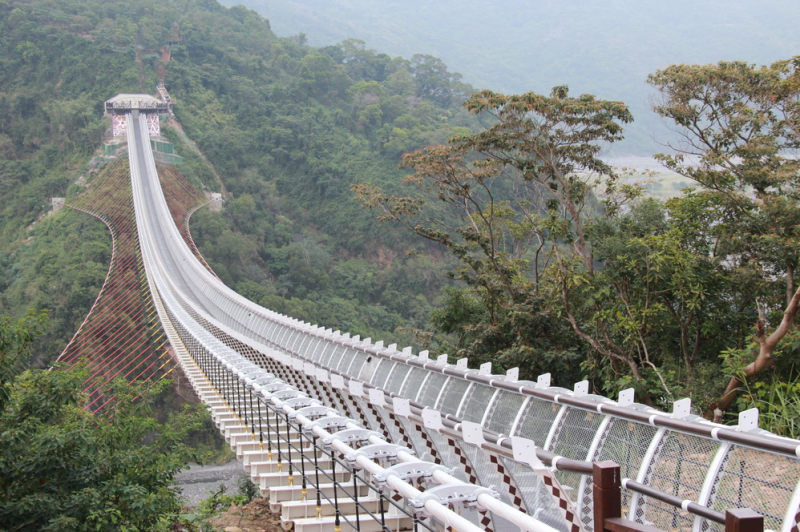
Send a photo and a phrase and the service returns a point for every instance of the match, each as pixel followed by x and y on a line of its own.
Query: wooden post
pixel 743 520
pixel 607 495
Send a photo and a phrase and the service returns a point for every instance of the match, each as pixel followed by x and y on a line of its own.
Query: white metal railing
pixel 492 429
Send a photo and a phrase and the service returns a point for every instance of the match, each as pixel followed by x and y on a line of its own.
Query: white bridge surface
pixel 341 432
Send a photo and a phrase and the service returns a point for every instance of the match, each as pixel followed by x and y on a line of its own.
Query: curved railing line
pixel 226 356
pixel 242 317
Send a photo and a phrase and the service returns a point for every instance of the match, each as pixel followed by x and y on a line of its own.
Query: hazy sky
pixel 605 47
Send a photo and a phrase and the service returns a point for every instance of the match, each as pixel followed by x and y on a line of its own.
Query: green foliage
pixel 65 469
pixel 739 123
pixel 287 127
pixel 778 403
pixel 16 338
pixel 60 267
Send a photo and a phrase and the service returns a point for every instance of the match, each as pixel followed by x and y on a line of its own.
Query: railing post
pixel 743 520
pixel 606 493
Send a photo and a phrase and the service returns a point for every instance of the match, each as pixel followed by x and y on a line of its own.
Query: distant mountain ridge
pixel 604 48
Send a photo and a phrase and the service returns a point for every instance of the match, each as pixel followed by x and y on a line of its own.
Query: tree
pixel 509 203
pixel 739 135
pixel 16 338
pixel 65 469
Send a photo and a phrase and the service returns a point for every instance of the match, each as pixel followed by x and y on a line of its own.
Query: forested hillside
pixel 603 48
pixel 524 248
pixel 288 128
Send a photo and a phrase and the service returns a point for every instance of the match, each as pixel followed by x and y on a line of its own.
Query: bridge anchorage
pixel 342 433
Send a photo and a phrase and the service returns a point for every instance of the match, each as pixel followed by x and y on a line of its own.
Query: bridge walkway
pixel 399 440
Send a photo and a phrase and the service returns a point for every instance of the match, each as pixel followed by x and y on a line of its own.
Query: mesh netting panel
pixel 413 383
pixel 536 496
pixel 384 368
pixel 295 337
pixel 758 480
pixel 327 353
pixel 330 399
pixel 305 342
pixel 395 380
pixel 452 395
pixel 626 443
pixel 536 421
pixel 396 435
pixel 488 476
pixel 345 359
pixel 356 362
pixel 448 456
pixel 505 408
pixel 367 369
pixel 372 422
pixel 431 389
pixel 420 444
pixel 679 468
pixel 572 439
pixel 313 349
pixel 476 403
pixel 284 335
pixel 450 459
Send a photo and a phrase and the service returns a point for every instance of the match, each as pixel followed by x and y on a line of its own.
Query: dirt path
pixel 255 517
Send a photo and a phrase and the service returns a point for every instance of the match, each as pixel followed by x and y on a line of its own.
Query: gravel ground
pixel 200 482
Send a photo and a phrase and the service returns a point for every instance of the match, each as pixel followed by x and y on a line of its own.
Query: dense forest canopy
pixel 604 48
pixel 287 127
pixel 534 252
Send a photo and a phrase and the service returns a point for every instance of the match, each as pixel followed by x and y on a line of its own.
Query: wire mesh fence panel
pixel 750 478
pixel 476 402
pixel 353 362
pixel 537 420
pixel 448 456
pixel 395 427
pixel 305 346
pixel 367 369
pixel 504 411
pixel 422 444
pixel 536 496
pixel 452 395
pixel 327 353
pixel 488 476
pixel 382 372
pixel 679 468
pixel 431 389
pixel 412 383
pixel 573 438
pixel 396 379
pixel 375 421
pixel 626 443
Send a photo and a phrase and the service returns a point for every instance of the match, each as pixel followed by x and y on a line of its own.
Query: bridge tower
pixel 117 107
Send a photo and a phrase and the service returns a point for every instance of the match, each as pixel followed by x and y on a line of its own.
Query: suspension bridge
pixel 341 432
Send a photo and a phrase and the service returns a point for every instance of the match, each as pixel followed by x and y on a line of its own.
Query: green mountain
pixel 604 48
pixel 287 127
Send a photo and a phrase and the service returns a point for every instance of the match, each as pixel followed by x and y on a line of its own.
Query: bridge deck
pixel 427 436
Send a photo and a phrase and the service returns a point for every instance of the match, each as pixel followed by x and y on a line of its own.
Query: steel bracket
pixel 283 395
pixel 349 436
pixel 447 494
pixel 314 411
pixel 275 386
pixel 328 422
pixel 377 450
pixel 299 402
pixel 406 471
